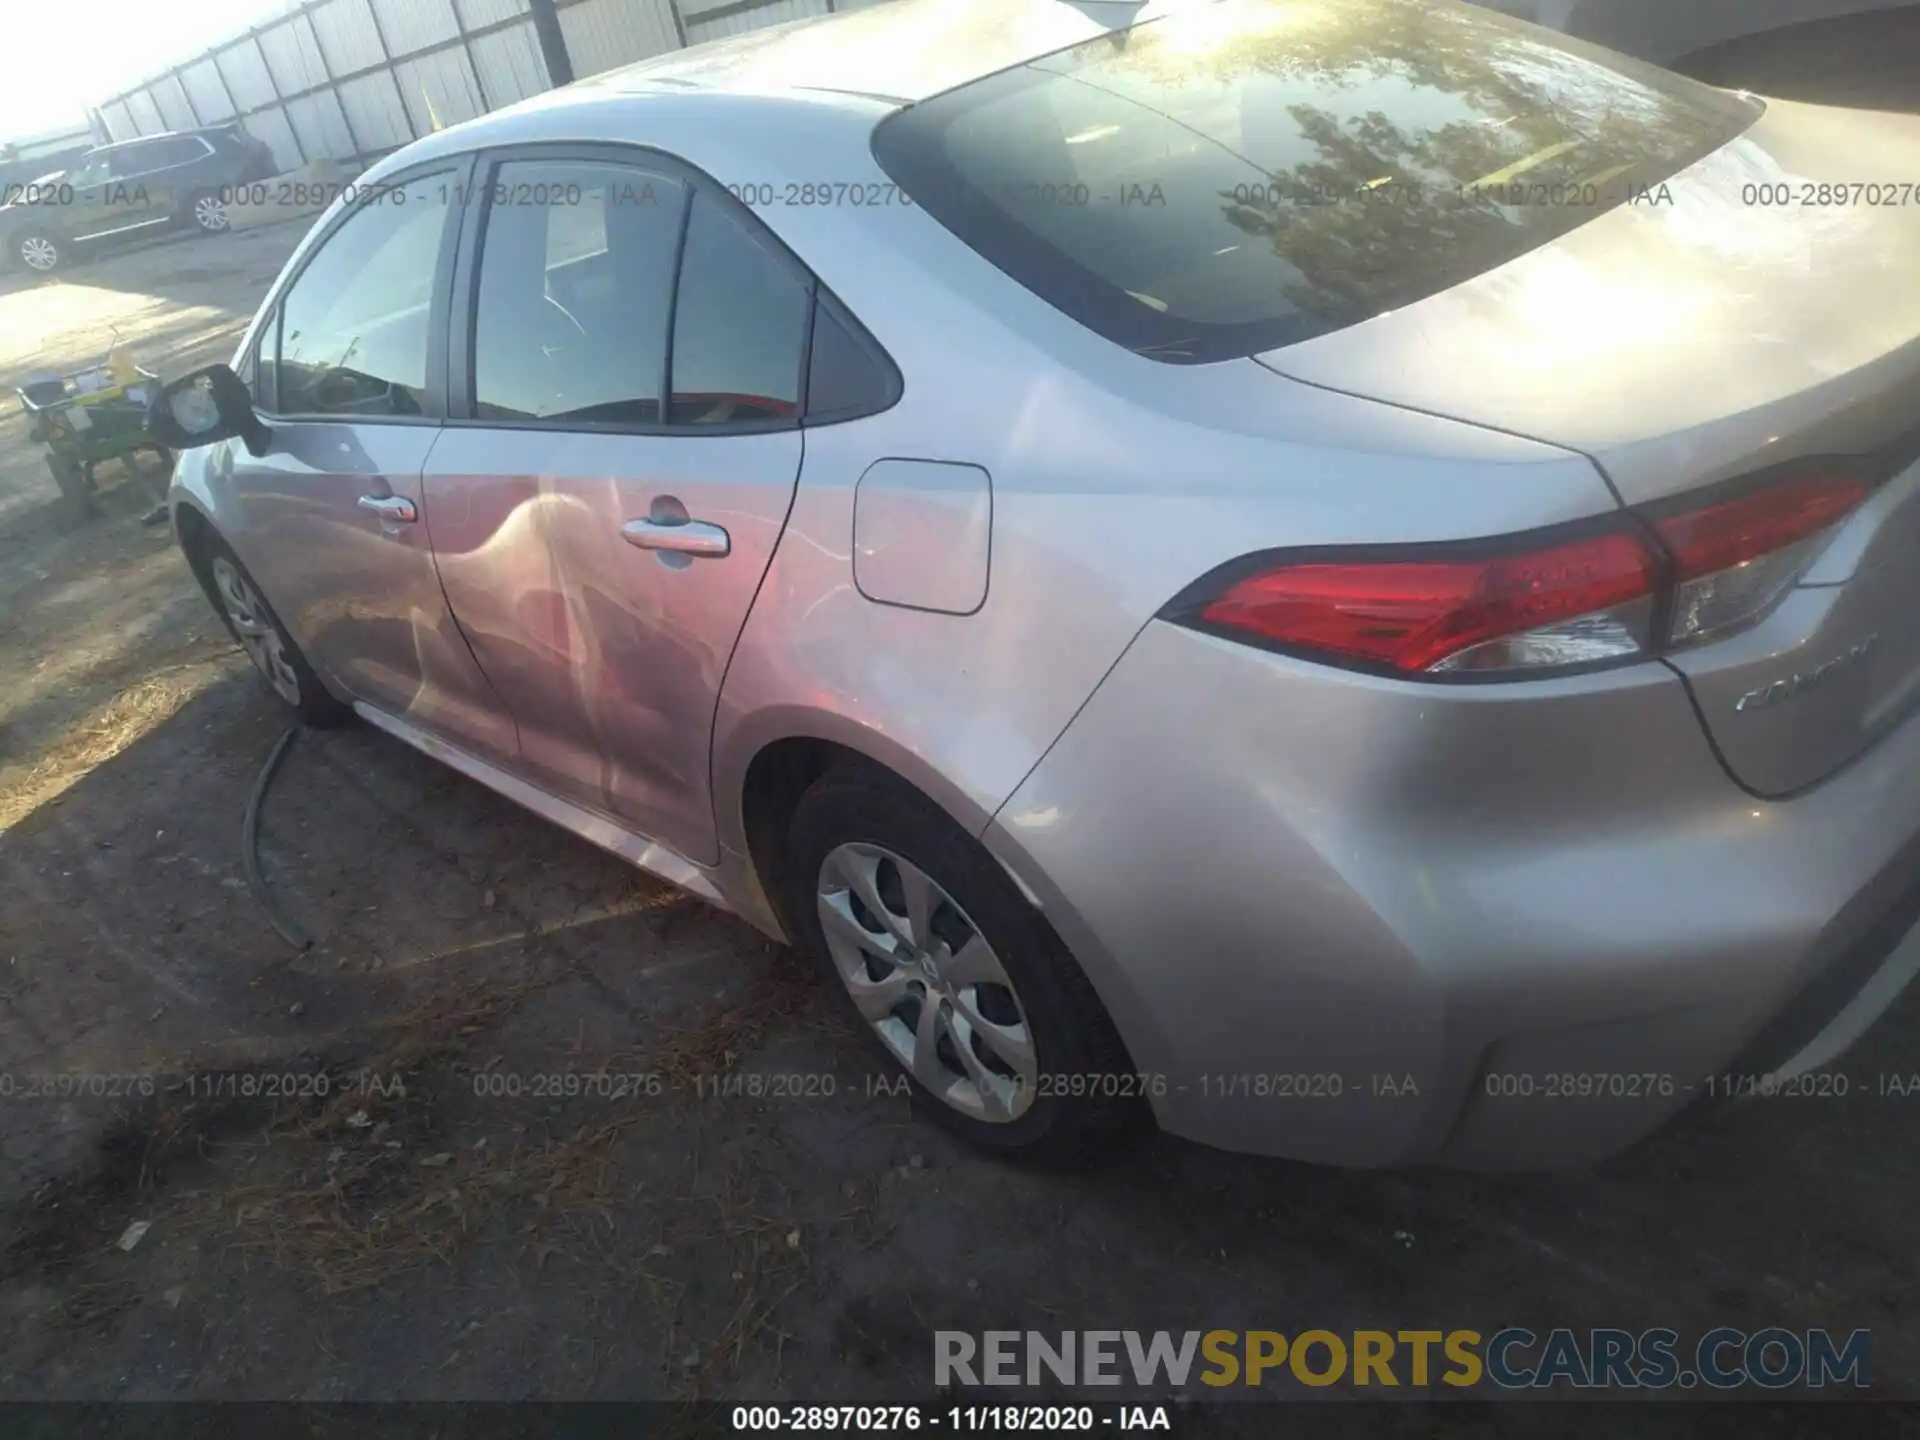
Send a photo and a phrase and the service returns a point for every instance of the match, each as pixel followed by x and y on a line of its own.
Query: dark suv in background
pixel 157 181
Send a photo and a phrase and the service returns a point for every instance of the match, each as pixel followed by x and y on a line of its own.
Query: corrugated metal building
pixel 353 79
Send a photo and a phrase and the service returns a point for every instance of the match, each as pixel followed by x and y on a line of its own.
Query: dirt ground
pixel 431 1227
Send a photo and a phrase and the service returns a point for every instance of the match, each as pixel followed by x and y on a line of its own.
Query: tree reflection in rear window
pixel 1235 177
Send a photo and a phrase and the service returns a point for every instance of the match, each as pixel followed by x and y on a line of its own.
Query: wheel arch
pixel 781 767
pixel 191 529
pixel 771 759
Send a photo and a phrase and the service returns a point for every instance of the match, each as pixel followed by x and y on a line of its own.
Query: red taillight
pixel 1416 614
pixel 1733 532
pixel 1585 600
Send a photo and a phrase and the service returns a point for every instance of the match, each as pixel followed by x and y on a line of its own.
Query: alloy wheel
pixel 39 253
pixel 925 978
pixel 258 634
pixel 210 214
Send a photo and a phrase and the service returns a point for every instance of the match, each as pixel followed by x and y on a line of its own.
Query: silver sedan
pixel 1339 574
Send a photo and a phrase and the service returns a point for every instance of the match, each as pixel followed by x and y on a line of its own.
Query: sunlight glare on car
pixel 1195 27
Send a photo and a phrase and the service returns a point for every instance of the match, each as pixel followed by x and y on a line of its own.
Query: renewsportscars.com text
pixel 1514 1358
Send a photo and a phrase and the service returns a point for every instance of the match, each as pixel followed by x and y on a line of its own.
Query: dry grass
pixel 99 736
pixel 346 1208
pixel 95 1303
pixel 355 1189
pixel 363 1189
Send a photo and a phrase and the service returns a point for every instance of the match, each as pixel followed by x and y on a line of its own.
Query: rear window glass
pixel 1235 177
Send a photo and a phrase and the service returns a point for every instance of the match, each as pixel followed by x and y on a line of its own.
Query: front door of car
pixel 133 172
pixel 349 380
pixel 618 464
pixel 88 211
pixel 120 199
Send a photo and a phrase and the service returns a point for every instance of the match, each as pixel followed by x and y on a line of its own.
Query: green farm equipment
pixel 87 417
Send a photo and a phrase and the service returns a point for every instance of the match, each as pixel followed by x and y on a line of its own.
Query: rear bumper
pixel 1368 922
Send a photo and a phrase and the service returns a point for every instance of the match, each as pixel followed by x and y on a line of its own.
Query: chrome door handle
pixel 390 507
pixel 687 537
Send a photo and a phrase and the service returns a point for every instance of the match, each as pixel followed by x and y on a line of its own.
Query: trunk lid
pixel 1747 313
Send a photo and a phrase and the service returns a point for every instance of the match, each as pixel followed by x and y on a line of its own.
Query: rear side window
pixel 134 159
pixel 178 150
pixel 605 287
pixel 1235 177
pixel 739 326
pixel 576 286
pixel 848 374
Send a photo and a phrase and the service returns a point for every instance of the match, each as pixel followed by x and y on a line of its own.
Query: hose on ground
pixel 250 844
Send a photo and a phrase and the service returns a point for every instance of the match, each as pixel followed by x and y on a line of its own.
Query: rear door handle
pixel 687 537
pixel 390 507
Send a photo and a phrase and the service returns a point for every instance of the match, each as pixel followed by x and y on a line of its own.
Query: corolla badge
pixel 1802 680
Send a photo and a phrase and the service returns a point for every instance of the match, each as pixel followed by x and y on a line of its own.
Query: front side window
pixel 1233 177
pixel 258 365
pixel 354 325
pixel 576 287
pixel 247 367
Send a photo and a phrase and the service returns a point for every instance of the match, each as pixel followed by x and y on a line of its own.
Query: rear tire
pixel 1043 1075
pixel 207 213
pixel 251 622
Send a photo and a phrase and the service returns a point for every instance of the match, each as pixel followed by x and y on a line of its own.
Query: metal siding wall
pixel 321 126
pixel 209 96
pixel 244 69
pixel 602 34
pixel 475 13
pixel 293 56
pixel 510 64
pixel 172 103
pixel 272 127
pixel 439 89
pixel 118 122
pixel 411 25
pixel 146 114
pixel 403 93
pixel 778 12
pixel 347 37
pixel 373 105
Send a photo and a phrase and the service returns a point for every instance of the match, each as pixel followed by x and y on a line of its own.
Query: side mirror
pixel 204 407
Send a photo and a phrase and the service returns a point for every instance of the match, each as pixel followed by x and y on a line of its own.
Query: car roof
pixel 903 51
pixel 196 133
pixel 832 77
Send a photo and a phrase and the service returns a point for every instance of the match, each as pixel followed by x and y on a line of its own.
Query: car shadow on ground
pixel 454 1216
